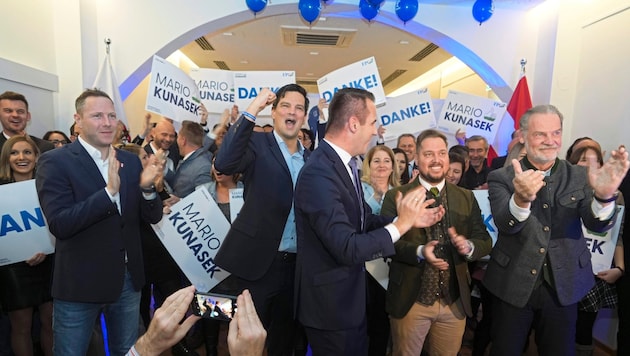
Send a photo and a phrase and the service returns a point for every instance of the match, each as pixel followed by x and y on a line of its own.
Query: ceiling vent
pixel 222 65
pixel 424 53
pixel 397 73
pixel 204 44
pixel 327 37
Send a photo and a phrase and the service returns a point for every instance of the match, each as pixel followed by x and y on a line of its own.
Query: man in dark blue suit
pixel 337 231
pixel 94 198
pixel 259 250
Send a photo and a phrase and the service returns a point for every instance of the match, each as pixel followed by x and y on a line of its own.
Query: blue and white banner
pixel 172 93
pixel 248 84
pixel 216 88
pixel 23 229
pixel 362 75
pixel 408 113
pixel 473 114
pixel 192 233
pixel 602 244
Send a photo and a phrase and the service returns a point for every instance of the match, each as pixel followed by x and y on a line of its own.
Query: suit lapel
pixel 122 173
pixel 86 161
pixel 342 172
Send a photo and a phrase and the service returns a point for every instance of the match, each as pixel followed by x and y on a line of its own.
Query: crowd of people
pixel 315 209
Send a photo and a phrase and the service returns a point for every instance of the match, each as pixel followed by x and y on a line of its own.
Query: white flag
pixel 106 81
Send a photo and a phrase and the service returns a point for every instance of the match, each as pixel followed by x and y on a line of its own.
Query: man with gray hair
pixel 540 266
pixel 476 177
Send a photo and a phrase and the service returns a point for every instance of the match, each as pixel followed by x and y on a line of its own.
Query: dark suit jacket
pixel 91 235
pixel 554 228
pixel 405 271
pixel 193 171
pixel 330 280
pixel 253 240
pixel 43 145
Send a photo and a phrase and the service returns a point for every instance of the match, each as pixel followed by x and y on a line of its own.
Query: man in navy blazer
pixel 337 232
pixel 94 198
pixel 259 250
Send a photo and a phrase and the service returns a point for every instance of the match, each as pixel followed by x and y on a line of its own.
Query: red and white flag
pixel 520 102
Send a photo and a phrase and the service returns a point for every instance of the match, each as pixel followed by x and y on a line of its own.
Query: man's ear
pixel 353 123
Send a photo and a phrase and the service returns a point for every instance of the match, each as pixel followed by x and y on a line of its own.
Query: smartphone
pixel 214 306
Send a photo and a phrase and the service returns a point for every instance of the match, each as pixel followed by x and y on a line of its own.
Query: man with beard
pixel 260 248
pixel 163 138
pixel 541 265
pixel 14 116
pixel 476 177
pixel 428 290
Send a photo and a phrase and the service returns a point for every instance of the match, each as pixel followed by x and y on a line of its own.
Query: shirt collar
pixel 428 185
pixel 549 172
pixel 345 156
pixel 281 142
pixel 91 150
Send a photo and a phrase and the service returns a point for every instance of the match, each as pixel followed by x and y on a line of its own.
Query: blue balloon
pixel 368 11
pixel 309 9
pixel 482 10
pixel 256 5
pixel 406 9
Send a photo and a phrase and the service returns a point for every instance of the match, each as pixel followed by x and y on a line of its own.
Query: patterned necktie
pixel 357 185
pixel 435 191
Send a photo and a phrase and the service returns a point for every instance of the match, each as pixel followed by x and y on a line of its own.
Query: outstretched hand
pixel 606 179
pixel 428 253
pixel 526 184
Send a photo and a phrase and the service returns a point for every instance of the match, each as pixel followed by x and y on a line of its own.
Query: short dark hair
pixel 345 103
pixel 403 136
pixel 80 102
pixel 429 133
pixel 11 95
pixel 455 157
pixel 49 133
pixel 282 92
pixel 193 132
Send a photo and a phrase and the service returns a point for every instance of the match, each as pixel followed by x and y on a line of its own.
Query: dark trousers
pixel 377 318
pixel 553 323
pixel 347 342
pixel 623 312
pixel 273 298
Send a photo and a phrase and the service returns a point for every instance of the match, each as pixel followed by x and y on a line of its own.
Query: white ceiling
pixel 258 45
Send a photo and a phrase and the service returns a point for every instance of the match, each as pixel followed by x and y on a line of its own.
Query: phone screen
pixel 214 306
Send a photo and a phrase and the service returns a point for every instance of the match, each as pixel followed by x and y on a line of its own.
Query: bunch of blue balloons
pixel 369 8
pixel 482 10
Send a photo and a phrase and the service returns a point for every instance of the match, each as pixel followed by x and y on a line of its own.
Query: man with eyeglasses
pixel 14 116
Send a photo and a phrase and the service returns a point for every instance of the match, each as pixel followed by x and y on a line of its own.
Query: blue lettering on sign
pixel 596 246
pixel 407 113
pixel 10 223
pixel 366 83
pixel 487 220
pixel 251 93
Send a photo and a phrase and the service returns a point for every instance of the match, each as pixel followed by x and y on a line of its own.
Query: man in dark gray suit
pixel 540 266
pixel 195 166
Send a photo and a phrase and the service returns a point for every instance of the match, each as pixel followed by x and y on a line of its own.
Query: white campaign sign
pixel 602 245
pixel 473 114
pixel 248 84
pixel 172 93
pixel 362 74
pixel 216 88
pixel 23 229
pixel 192 233
pixel 409 113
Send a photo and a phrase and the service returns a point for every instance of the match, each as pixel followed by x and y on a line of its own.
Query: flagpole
pixel 523 63
pixel 109 41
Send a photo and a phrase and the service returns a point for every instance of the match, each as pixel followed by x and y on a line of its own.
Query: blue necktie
pixel 357 186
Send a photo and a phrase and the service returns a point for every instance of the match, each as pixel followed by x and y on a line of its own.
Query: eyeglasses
pixel 58 142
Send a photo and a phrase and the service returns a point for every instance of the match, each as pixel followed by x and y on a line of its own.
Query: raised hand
pixel 264 98
pixel 461 243
pixel 526 184
pixel 153 170
pixel 113 178
pixel 428 253
pixel 246 334
pixel 606 179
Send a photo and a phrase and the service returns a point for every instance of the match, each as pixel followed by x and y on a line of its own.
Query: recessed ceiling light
pixel 228 34
pixel 322 18
pixel 403 42
pixel 309 74
pixel 314 53
pixel 244 62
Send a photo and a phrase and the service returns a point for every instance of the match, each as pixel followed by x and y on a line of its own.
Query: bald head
pixel 163 134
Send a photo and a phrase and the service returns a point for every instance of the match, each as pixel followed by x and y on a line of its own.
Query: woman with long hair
pixel 379 174
pixel 25 285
